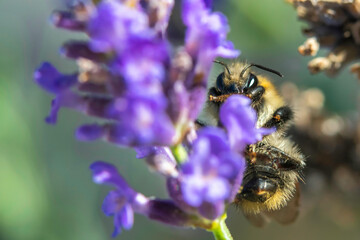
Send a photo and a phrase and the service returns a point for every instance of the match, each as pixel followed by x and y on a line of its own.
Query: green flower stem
pixel 220 230
pixel 179 153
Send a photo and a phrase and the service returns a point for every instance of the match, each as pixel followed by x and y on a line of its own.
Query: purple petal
pixel 190 8
pixel 105 173
pixel 113 202
pixel 212 210
pixel 217 140
pixel 231 165
pixel 127 217
pixel 193 190
pixel 142 121
pixel 202 150
pixel 142 152
pixel 227 50
pixel 217 189
pixel 206 179
pixel 63 99
pixel 117 225
pixel 239 120
pixel 55 107
pixel 114 24
pixel 261 132
pixel 174 187
pixel 217 24
pixel 51 80
pixel 116 204
pixel 197 99
pixel 236 183
pixel 208 3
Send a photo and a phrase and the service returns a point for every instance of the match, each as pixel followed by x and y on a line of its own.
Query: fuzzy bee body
pixel 274 164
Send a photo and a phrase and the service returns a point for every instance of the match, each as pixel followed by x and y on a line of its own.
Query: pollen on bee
pixel 277 117
pixel 220 98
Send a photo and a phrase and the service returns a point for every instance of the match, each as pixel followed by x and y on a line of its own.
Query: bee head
pixel 227 83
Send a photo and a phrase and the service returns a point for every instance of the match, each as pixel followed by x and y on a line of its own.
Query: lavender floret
pixel 207 177
pixel 240 121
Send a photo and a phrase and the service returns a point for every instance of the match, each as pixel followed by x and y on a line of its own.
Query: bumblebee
pixel 270 184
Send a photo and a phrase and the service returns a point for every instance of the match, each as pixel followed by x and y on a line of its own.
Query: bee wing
pixel 258 220
pixel 290 212
pixel 285 215
pixel 284 161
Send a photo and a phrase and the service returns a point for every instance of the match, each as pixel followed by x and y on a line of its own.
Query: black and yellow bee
pixel 274 165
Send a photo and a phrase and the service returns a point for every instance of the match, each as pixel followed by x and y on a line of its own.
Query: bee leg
pixel 256 93
pixel 214 91
pixel 282 160
pixel 280 117
pixel 288 164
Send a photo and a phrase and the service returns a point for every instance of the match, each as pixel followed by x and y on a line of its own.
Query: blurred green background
pixel 46 190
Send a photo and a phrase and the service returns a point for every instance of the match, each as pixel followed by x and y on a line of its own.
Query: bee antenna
pixel 261 67
pixel 224 64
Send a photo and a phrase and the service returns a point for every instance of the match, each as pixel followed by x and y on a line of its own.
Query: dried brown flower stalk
pixel 332 145
pixel 333 24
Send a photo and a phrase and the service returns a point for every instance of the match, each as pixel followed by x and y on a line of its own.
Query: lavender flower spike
pixel 148 96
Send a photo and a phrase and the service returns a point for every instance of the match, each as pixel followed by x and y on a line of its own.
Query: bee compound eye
pixel 220 81
pixel 252 81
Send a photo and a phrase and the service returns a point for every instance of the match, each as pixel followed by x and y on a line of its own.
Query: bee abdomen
pixel 259 189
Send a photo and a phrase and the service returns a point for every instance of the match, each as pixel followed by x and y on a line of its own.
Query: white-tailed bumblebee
pixel 274 165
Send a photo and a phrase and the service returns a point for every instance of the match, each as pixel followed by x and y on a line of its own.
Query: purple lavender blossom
pixel 142 67
pixel 118 203
pixel 138 104
pixel 206 34
pixel 239 119
pixel 139 54
pixel 49 78
pixel 123 218
pixel 207 178
pixel 113 25
pixel 140 121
